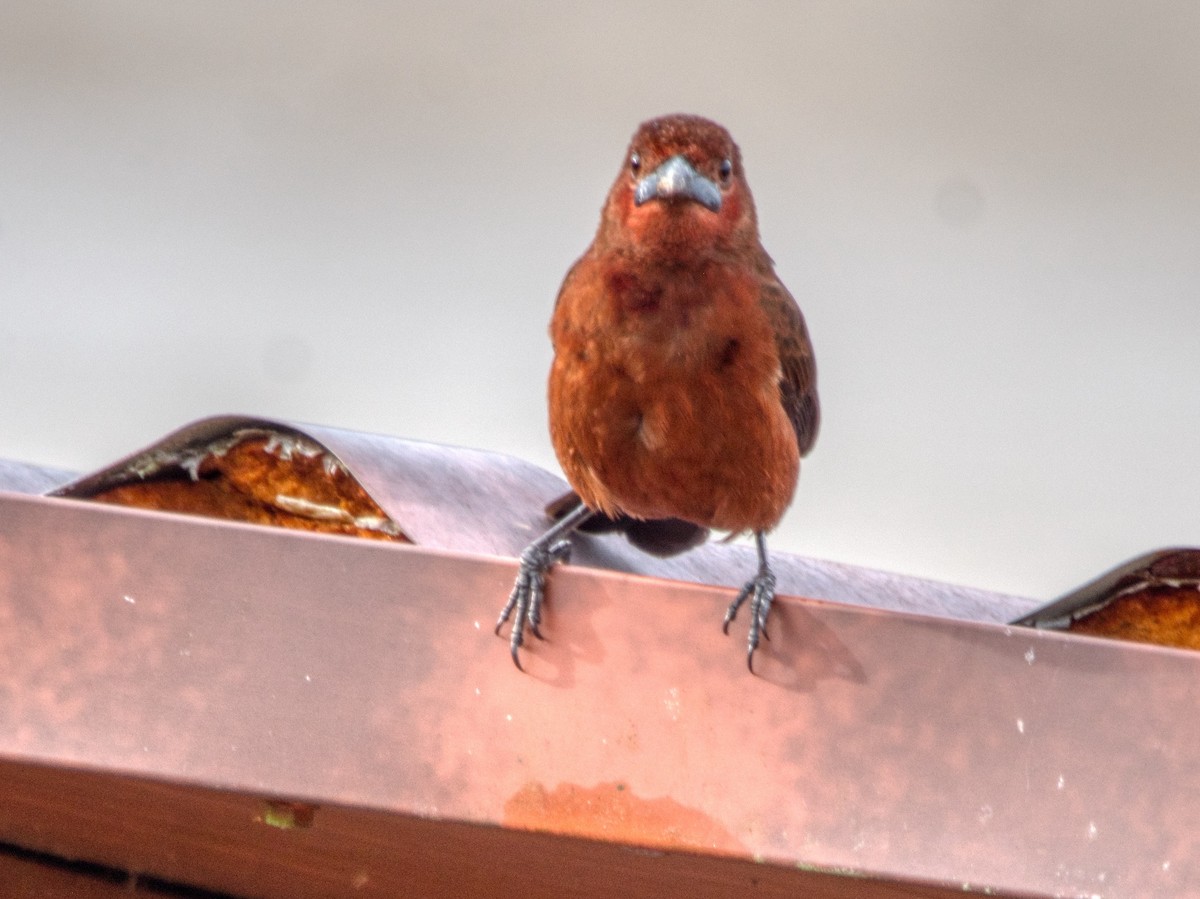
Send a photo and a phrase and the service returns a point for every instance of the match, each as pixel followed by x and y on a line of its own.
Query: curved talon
pixel 731 612
pixel 516 656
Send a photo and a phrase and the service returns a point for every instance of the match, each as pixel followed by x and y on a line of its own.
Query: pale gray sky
pixel 358 214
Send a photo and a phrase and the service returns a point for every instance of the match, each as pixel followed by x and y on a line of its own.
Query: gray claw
pixel 529 590
pixel 760 590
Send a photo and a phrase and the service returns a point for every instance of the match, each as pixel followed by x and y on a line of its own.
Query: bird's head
pixel 681 190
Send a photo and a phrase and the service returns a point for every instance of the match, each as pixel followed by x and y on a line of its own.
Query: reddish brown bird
pixel 683 384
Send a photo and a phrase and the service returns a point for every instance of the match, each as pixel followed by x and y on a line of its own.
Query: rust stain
pixel 1154 598
pixel 1166 615
pixel 611 811
pixel 272 479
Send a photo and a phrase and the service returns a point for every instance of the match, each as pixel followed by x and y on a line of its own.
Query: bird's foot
pixel 529 592
pixel 760 590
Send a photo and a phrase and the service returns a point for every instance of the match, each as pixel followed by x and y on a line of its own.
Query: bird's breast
pixel 682 322
pixel 665 401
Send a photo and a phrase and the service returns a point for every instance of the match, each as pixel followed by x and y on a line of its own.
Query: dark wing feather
pixel 798 386
pixel 657 536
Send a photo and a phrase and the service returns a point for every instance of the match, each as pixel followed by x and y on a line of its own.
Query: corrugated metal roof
pixel 470 500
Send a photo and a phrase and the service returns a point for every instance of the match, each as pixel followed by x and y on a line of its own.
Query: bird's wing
pixel 657 536
pixel 798 384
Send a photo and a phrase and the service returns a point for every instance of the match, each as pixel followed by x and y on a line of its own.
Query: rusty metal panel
pixel 1154 598
pixel 469 500
pixel 912 749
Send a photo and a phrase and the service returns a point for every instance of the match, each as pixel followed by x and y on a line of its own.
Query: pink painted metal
pixel 914 750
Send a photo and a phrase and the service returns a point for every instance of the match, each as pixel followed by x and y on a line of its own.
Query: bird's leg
pixel 530 587
pixel 760 590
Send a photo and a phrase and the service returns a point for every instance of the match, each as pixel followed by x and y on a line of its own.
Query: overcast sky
pixel 358 214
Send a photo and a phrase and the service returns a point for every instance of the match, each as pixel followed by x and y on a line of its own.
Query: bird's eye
pixel 635 163
pixel 725 170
